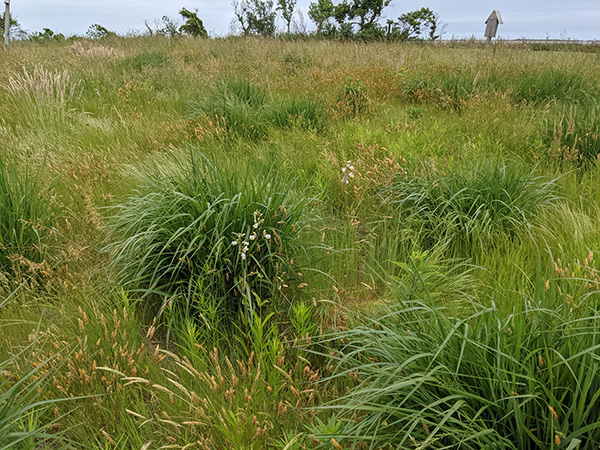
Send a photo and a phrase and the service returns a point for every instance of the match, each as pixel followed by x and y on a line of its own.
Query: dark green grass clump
pixel 542 88
pixel 454 89
pixel 241 106
pixel 246 111
pixel 27 215
pixel 300 113
pixel 527 379
pixel 198 229
pixel 471 208
pixel 151 60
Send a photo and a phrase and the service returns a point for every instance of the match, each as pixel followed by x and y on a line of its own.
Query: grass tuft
pixel 525 379
pixel 240 106
pixel 27 215
pixel 574 135
pixel 154 60
pixel 197 226
pixel 300 113
pixel 472 208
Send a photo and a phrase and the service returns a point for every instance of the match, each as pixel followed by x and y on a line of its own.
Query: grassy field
pixel 270 244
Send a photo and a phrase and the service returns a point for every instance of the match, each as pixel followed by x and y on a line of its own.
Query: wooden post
pixel 7 25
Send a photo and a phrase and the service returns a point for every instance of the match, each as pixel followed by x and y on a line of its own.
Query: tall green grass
pixel 197 227
pixel 554 84
pixel 524 379
pixel 27 216
pixel 23 424
pixel 472 208
pixel 453 89
pixel 574 135
pixel 247 111
pixel 241 106
pixel 41 97
pixel 152 60
pixel 300 113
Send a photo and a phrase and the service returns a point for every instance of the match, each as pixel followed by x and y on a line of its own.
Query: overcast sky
pixel 534 19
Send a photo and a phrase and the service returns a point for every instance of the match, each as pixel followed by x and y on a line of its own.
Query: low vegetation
pixel 292 244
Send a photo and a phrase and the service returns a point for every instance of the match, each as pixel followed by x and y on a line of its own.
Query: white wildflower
pixel 348 172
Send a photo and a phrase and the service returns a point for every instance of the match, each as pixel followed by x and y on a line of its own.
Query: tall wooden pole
pixel 7 25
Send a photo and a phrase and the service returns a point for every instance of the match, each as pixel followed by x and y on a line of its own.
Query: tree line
pixel 348 19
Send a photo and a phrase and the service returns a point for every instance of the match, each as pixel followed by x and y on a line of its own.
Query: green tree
pixel 255 16
pixel 15 28
pixel 349 14
pixel 287 8
pixel 168 28
pixel 46 35
pixel 422 24
pixel 193 24
pixel 321 14
pixel 96 31
pixel 364 13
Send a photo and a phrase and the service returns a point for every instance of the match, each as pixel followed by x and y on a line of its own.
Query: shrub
pixel 471 208
pixel 525 379
pixel 198 227
pixel 27 214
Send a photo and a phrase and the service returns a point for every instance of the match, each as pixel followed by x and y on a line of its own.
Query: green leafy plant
pixel 97 31
pixel 46 35
pixel 193 24
pixel 422 24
